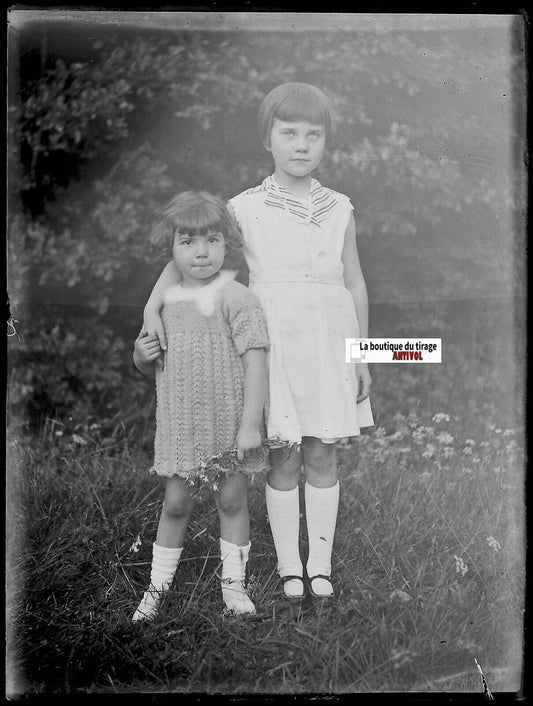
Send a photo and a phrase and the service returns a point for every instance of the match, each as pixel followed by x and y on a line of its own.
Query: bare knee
pixel 177 504
pixel 232 497
pixel 285 467
pixel 320 463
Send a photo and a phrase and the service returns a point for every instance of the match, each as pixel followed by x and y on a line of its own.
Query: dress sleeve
pixel 246 320
pixel 232 206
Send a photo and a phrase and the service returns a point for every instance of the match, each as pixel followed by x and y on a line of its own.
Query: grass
pixel 407 611
pixel 428 563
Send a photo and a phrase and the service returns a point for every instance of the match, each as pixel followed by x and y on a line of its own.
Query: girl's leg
pixel 321 506
pixel 232 504
pixel 283 506
pixel 168 547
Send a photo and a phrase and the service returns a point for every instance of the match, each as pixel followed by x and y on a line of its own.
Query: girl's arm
pixel 152 323
pixel 255 377
pixel 355 284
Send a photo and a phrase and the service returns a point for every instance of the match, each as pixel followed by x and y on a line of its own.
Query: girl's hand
pixel 248 440
pixel 147 349
pixel 153 326
pixel 364 381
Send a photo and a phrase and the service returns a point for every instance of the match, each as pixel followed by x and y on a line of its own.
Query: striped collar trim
pixel 321 201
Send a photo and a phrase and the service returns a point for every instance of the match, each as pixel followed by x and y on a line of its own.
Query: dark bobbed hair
pixel 295 101
pixel 194 213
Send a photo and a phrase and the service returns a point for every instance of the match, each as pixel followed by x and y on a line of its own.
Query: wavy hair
pixel 194 213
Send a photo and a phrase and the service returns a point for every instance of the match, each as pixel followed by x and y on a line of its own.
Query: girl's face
pixel 297 147
pixel 198 257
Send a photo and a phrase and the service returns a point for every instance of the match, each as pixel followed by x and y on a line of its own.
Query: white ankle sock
pixel 321 507
pixel 234 559
pixel 164 564
pixel 283 508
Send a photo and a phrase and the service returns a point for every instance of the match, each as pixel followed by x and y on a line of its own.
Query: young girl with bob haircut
pixel 299 241
pixel 210 390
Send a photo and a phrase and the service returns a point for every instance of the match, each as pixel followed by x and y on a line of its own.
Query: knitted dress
pixel 200 387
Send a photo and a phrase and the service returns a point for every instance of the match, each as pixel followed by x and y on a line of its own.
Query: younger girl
pixel 210 390
pixel 300 246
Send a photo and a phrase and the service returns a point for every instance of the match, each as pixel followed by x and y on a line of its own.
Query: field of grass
pixel 428 561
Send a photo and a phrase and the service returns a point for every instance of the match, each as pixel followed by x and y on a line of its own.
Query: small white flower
pixel 467 451
pixel 136 545
pixel 498 431
pixel 470 442
pixel 441 417
pixel 401 595
pixel 447 451
pixel 429 452
pixel 445 438
pixel 508 432
pixel 493 543
pixel 460 566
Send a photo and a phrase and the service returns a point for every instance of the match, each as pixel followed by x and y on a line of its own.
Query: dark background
pixel 110 114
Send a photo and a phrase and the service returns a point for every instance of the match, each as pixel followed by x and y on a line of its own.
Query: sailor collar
pixel 320 202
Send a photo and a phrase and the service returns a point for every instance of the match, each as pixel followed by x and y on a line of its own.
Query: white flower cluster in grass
pixel 136 545
pixel 420 434
pixel 429 452
pixel 493 543
pixel 460 566
pixel 441 417
pixel 444 438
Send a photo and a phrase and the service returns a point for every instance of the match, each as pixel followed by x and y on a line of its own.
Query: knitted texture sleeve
pixel 245 318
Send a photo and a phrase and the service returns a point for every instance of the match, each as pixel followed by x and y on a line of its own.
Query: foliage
pixel 104 141
pixel 78 371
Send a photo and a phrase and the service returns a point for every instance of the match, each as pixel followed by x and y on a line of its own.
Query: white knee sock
pixel 321 506
pixel 164 564
pixel 283 508
pixel 234 559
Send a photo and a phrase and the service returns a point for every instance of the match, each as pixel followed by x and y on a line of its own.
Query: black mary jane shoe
pixel 287 596
pixel 321 596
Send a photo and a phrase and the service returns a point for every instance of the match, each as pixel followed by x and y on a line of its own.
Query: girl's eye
pixel 186 242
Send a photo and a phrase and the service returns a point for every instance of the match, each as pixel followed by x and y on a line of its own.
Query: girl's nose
pixel 201 248
pixel 302 145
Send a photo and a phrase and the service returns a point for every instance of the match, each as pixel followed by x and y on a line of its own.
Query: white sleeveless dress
pixel 293 250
